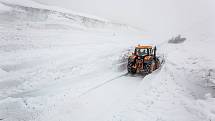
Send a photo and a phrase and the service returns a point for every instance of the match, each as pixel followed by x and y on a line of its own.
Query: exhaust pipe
pixel 155 48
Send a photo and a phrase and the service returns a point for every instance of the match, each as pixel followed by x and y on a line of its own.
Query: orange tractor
pixel 143 60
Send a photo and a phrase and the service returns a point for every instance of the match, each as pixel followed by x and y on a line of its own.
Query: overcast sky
pixel 147 14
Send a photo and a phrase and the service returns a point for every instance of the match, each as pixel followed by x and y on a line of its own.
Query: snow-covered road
pixel 61 66
pixel 46 65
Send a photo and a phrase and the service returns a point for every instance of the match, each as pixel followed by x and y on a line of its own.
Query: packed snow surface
pixel 56 65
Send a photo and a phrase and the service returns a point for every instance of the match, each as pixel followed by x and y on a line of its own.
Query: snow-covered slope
pixel 53 17
pixel 56 65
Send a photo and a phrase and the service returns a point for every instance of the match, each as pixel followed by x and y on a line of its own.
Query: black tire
pixel 158 63
pixel 130 68
pixel 148 68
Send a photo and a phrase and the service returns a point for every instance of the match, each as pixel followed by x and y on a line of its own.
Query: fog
pixel 161 16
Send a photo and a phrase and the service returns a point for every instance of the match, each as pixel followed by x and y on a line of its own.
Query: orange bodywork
pixel 147 58
pixel 144 46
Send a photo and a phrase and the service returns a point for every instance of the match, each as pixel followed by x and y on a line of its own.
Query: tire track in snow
pixel 102 84
pixel 37 91
pixel 115 78
pixel 98 101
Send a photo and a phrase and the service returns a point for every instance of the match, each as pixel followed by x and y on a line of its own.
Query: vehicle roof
pixel 143 46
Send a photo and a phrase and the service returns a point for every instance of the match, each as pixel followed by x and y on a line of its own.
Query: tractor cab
pixel 143 50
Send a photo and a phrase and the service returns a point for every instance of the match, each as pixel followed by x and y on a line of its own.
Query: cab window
pixel 141 52
pixel 151 51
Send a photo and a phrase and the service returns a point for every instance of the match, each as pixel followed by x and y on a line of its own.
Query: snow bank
pixel 27 10
pixel 4 8
pixel 32 4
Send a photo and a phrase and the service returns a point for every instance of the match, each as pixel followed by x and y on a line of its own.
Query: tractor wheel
pixel 149 68
pixel 130 67
pixel 153 66
pixel 157 64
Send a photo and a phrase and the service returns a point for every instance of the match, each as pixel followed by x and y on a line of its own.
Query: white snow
pixel 33 4
pixel 57 65
pixel 4 8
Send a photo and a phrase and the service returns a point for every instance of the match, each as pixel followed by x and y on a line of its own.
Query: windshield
pixel 141 52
